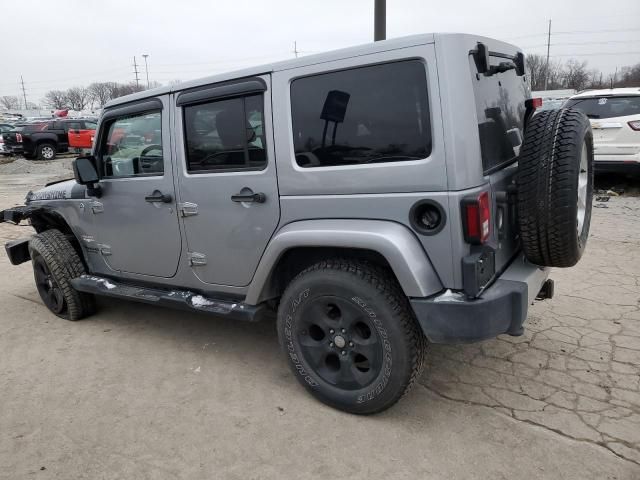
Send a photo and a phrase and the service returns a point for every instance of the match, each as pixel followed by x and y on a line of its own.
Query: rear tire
pixel 46 151
pixel 55 264
pixel 555 187
pixel 350 336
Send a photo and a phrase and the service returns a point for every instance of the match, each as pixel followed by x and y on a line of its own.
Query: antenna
pixel 24 93
pixel 135 69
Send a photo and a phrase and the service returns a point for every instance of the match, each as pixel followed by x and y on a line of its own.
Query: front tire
pixel 55 264
pixel 350 336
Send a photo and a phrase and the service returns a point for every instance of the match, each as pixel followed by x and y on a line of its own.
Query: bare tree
pixel 102 92
pixel 536 70
pixel 77 98
pixel 56 99
pixel 10 102
pixel 126 89
pixel 629 76
pixel 576 75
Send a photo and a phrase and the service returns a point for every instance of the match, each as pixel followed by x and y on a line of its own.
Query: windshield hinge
pixel 188 209
pixel 97 207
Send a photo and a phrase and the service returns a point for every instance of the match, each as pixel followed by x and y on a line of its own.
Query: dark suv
pixel 43 140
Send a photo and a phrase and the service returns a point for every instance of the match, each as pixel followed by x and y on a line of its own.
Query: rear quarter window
pixel 371 114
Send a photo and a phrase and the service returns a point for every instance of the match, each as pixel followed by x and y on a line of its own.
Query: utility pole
pixel 295 48
pixel 24 93
pixel 135 69
pixel 379 20
pixel 546 68
pixel 146 67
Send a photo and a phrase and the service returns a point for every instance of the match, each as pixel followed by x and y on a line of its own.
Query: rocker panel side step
pixel 181 299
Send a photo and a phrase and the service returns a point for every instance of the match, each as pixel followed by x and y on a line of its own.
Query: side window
pixel 225 135
pixel 69 126
pixel 132 146
pixel 90 125
pixel 372 114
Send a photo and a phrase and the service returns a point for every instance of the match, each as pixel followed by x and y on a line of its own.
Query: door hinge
pixel 105 250
pixel 97 207
pixel 197 259
pixel 188 209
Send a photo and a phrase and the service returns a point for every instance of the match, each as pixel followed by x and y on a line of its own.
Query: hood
pixel 65 190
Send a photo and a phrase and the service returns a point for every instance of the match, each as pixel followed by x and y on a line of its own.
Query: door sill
pixel 180 299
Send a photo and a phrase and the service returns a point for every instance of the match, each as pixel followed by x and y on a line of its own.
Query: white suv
pixel 615 120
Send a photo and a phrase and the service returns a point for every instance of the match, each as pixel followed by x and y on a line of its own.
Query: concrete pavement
pixel 141 392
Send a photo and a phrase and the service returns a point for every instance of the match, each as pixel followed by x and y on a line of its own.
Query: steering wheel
pixel 150 148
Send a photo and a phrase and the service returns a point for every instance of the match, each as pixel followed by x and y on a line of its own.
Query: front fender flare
pixel 395 242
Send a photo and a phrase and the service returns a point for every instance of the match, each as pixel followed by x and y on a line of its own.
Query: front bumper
pixel 451 317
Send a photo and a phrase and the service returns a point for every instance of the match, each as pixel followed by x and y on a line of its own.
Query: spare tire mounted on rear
pixel 555 187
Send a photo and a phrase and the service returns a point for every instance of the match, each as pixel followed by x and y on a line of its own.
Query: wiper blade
pixel 500 68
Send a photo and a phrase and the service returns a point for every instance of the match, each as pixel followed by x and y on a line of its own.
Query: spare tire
pixel 555 187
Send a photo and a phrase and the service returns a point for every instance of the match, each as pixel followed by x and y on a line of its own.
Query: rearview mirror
pixel 85 172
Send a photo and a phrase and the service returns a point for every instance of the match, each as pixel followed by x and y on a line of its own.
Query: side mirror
pixel 86 173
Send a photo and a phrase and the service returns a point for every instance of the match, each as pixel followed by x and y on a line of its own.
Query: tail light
pixel 476 219
pixel 18 138
pixel 533 103
pixel 635 125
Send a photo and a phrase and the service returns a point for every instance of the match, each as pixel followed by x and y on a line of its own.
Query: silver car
pixel 375 198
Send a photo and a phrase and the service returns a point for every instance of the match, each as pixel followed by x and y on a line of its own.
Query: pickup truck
pixel 43 140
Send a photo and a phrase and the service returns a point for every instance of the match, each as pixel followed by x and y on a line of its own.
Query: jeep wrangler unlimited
pixel 377 197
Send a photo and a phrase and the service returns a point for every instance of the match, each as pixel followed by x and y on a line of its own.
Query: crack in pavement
pixel 576 370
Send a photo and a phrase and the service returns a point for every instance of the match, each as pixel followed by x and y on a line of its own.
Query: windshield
pixel 606 107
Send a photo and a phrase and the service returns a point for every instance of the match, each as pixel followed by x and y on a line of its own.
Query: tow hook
pixel 546 292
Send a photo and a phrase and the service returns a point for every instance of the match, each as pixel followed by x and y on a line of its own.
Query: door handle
pixel 157 196
pixel 247 195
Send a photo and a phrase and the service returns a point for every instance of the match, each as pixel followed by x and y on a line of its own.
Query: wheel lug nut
pixel 343 352
pixel 331 344
pixel 331 331
pixel 344 331
pixel 351 344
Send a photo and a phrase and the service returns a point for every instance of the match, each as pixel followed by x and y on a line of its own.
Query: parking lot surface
pixel 142 392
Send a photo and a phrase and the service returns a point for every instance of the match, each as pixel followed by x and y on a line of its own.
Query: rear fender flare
pixel 395 242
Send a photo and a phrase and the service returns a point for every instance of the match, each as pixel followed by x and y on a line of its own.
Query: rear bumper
pixel 13 149
pixel 502 308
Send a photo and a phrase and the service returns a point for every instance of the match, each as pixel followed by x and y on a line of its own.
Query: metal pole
pixel 380 20
pixel 146 67
pixel 546 69
pixel 135 69
pixel 24 93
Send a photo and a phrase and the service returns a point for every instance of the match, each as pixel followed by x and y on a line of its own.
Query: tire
pixel 382 342
pixel 55 264
pixel 555 187
pixel 46 151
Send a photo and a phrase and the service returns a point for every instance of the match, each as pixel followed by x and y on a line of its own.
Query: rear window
pixel 606 107
pixel 372 114
pixel 500 110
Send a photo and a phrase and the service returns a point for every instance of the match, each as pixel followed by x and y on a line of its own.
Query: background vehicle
pixel 81 139
pixel 409 203
pixel 43 140
pixel 615 119
pixel 4 127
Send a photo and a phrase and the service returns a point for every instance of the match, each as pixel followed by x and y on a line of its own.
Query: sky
pixel 64 43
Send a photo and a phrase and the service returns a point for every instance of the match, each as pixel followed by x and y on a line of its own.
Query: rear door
pixel 227 178
pixel 135 224
pixel 500 109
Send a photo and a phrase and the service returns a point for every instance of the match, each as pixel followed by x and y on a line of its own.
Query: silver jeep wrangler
pixel 377 198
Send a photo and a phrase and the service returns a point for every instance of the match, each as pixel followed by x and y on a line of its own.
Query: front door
pixel 227 178
pixel 135 221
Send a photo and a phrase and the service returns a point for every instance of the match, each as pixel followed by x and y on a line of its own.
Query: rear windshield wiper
pixel 592 115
